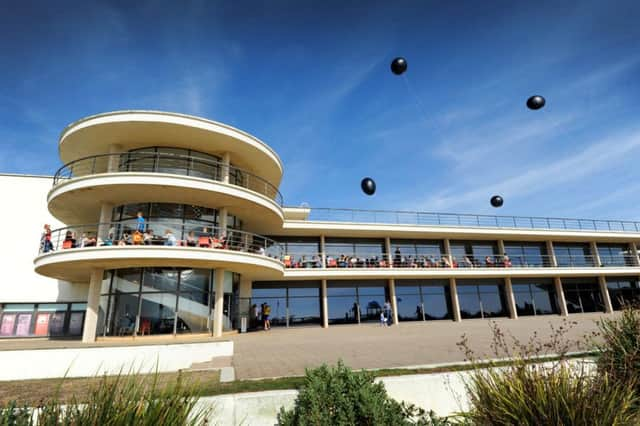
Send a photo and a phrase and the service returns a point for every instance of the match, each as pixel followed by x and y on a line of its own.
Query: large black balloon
pixel 535 102
pixel 368 186
pixel 398 66
pixel 497 201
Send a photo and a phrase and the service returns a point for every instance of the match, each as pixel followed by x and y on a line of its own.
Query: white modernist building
pixel 161 223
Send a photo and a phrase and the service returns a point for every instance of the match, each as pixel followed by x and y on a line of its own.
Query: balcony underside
pixel 75 265
pixel 78 200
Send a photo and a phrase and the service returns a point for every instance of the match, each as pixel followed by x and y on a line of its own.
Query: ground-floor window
pixel 146 301
pixel 481 298
pixel 290 303
pixel 582 295
pixel 350 302
pixel 42 319
pixel 420 300
pixel 623 291
pixel 534 296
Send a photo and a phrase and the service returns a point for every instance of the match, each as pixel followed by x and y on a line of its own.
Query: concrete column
pixel 114 160
pixel 511 300
pixel 501 250
pixel 93 305
pixel 106 211
pixel 562 303
pixel 553 262
pixel 447 247
pixel 324 304
pixel 595 255
pixel 455 304
pixel 218 311
pixel 394 301
pixel 634 253
pixel 226 160
pixel 387 248
pixel 223 220
pixel 246 286
pixel 323 254
pixel 608 308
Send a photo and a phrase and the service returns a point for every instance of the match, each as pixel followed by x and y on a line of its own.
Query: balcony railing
pixel 158 233
pixel 469 220
pixel 333 260
pixel 176 164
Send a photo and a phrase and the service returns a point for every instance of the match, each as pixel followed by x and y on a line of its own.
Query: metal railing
pixel 382 260
pixel 176 164
pixel 158 233
pixel 468 220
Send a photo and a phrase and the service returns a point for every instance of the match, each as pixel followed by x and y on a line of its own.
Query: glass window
pixel 534 296
pixel 358 247
pixel 526 254
pixel 160 279
pixel 157 314
pixel 582 295
pixel 614 254
pixel 622 291
pixel 573 254
pixel 481 298
pixel 475 251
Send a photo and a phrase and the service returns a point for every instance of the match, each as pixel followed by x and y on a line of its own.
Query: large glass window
pixel 527 254
pixel 623 291
pixel 481 298
pixel 614 254
pixel 416 252
pixel 355 301
pixel 582 295
pixel 41 319
pixel 146 301
pixel 172 160
pixel 573 254
pixel 420 300
pixel 300 252
pixel 354 252
pixel 292 303
pixel 474 253
pixel 534 296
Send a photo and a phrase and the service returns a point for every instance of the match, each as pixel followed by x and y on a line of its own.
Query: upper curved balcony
pixel 72 252
pixel 98 134
pixel 127 177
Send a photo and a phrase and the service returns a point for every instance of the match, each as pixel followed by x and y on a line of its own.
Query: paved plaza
pixel 285 352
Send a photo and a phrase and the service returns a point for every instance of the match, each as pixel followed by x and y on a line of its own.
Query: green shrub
pixel 125 399
pixel 619 346
pixel 558 392
pixel 338 396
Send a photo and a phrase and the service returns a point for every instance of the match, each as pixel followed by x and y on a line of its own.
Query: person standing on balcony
pixel 46 239
pixel 140 223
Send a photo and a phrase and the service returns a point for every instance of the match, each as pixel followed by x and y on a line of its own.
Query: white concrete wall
pixel 23 215
pixel 88 362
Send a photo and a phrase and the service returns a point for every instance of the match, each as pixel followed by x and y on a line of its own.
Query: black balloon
pixel 497 201
pixel 368 186
pixel 398 66
pixel 535 102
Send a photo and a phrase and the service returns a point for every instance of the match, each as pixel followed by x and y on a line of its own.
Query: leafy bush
pixel 619 346
pixel 557 392
pixel 338 396
pixel 129 399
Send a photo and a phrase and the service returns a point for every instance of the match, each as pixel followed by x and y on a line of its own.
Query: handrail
pixel 383 260
pixel 151 162
pixel 131 233
pixel 324 214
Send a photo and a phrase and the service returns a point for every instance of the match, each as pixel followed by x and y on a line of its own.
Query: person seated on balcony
pixel 467 262
pixel 331 262
pixel 112 233
pixel 191 239
pixel 169 238
pixel 506 262
pixel 216 242
pixel 454 262
pixel 489 263
pixel 83 240
pixel 90 241
pixel 431 262
pixel 137 239
pixel 147 237
pixel 261 251
pixel 69 240
pixel 446 262
pixel 353 261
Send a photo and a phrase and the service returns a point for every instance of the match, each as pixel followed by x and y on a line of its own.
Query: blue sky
pixel 312 80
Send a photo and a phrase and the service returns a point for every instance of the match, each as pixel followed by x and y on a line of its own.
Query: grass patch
pixel 33 391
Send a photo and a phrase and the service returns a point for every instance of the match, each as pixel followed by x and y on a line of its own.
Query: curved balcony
pixel 70 253
pixel 97 134
pixel 122 178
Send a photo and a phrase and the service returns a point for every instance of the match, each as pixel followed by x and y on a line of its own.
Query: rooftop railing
pixel 336 260
pixel 469 220
pixel 176 164
pixel 157 233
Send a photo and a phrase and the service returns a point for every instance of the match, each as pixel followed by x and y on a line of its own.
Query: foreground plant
pixel 125 399
pixel 561 391
pixel 339 396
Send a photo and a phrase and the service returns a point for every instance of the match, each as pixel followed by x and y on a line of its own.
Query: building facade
pixel 162 223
